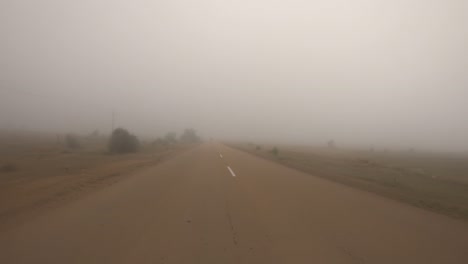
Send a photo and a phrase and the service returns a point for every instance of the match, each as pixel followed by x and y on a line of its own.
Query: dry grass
pixel 437 182
pixel 38 170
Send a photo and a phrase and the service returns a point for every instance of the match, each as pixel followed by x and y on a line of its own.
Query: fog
pixel 361 72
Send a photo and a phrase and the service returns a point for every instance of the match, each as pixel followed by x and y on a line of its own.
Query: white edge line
pixel 221 155
pixel 232 172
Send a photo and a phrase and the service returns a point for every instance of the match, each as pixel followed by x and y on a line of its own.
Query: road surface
pixel 213 204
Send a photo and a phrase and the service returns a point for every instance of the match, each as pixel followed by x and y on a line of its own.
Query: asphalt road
pixel 192 209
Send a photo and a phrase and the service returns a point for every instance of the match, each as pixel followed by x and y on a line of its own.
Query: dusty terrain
pixel 192 209
pixel 433 181
pixel 38 171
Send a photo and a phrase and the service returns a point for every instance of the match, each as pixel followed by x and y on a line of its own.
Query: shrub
pixel 8 167
pixel 258 148
pixel 170 138
pixel 275 151
pixel 72 142
pixel 190 136
pixel 94 134
pixel 159 142
pixel 123 142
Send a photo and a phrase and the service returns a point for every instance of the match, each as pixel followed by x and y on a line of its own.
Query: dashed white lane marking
pixel 232 172
pixel 221 155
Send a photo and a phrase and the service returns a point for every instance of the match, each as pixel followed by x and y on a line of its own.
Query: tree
pixel 159 142
pixel 72 142
pixel 94 134
pixel 123 142
pixel 171 138
pixel 190 136
pixel 275 151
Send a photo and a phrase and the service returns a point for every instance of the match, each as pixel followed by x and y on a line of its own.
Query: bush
pixel 190 136
pixel 170 138
pixel 258 148
pixel 94 134
pixel 8 167
pixel 72 142
pixel 159 142
pixel 123 142
pixel 275 151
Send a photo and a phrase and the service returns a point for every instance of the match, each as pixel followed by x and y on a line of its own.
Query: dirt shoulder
pixel 430 182
pixel 42 176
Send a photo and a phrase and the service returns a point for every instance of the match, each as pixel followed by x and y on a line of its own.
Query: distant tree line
pixel 122 141
pixel 188 136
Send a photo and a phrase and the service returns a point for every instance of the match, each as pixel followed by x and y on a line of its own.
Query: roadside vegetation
pixel 190 136
pixel 39 169
pixel 170 138
pixel 275 151
pixel 8 167
pixel 437 182
pixel 72 141
pixel 122 141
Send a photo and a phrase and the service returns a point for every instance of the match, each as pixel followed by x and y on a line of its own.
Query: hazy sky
pixel 358 71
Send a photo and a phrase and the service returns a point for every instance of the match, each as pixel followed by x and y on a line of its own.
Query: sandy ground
pixel 190 209
pixel 45 174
